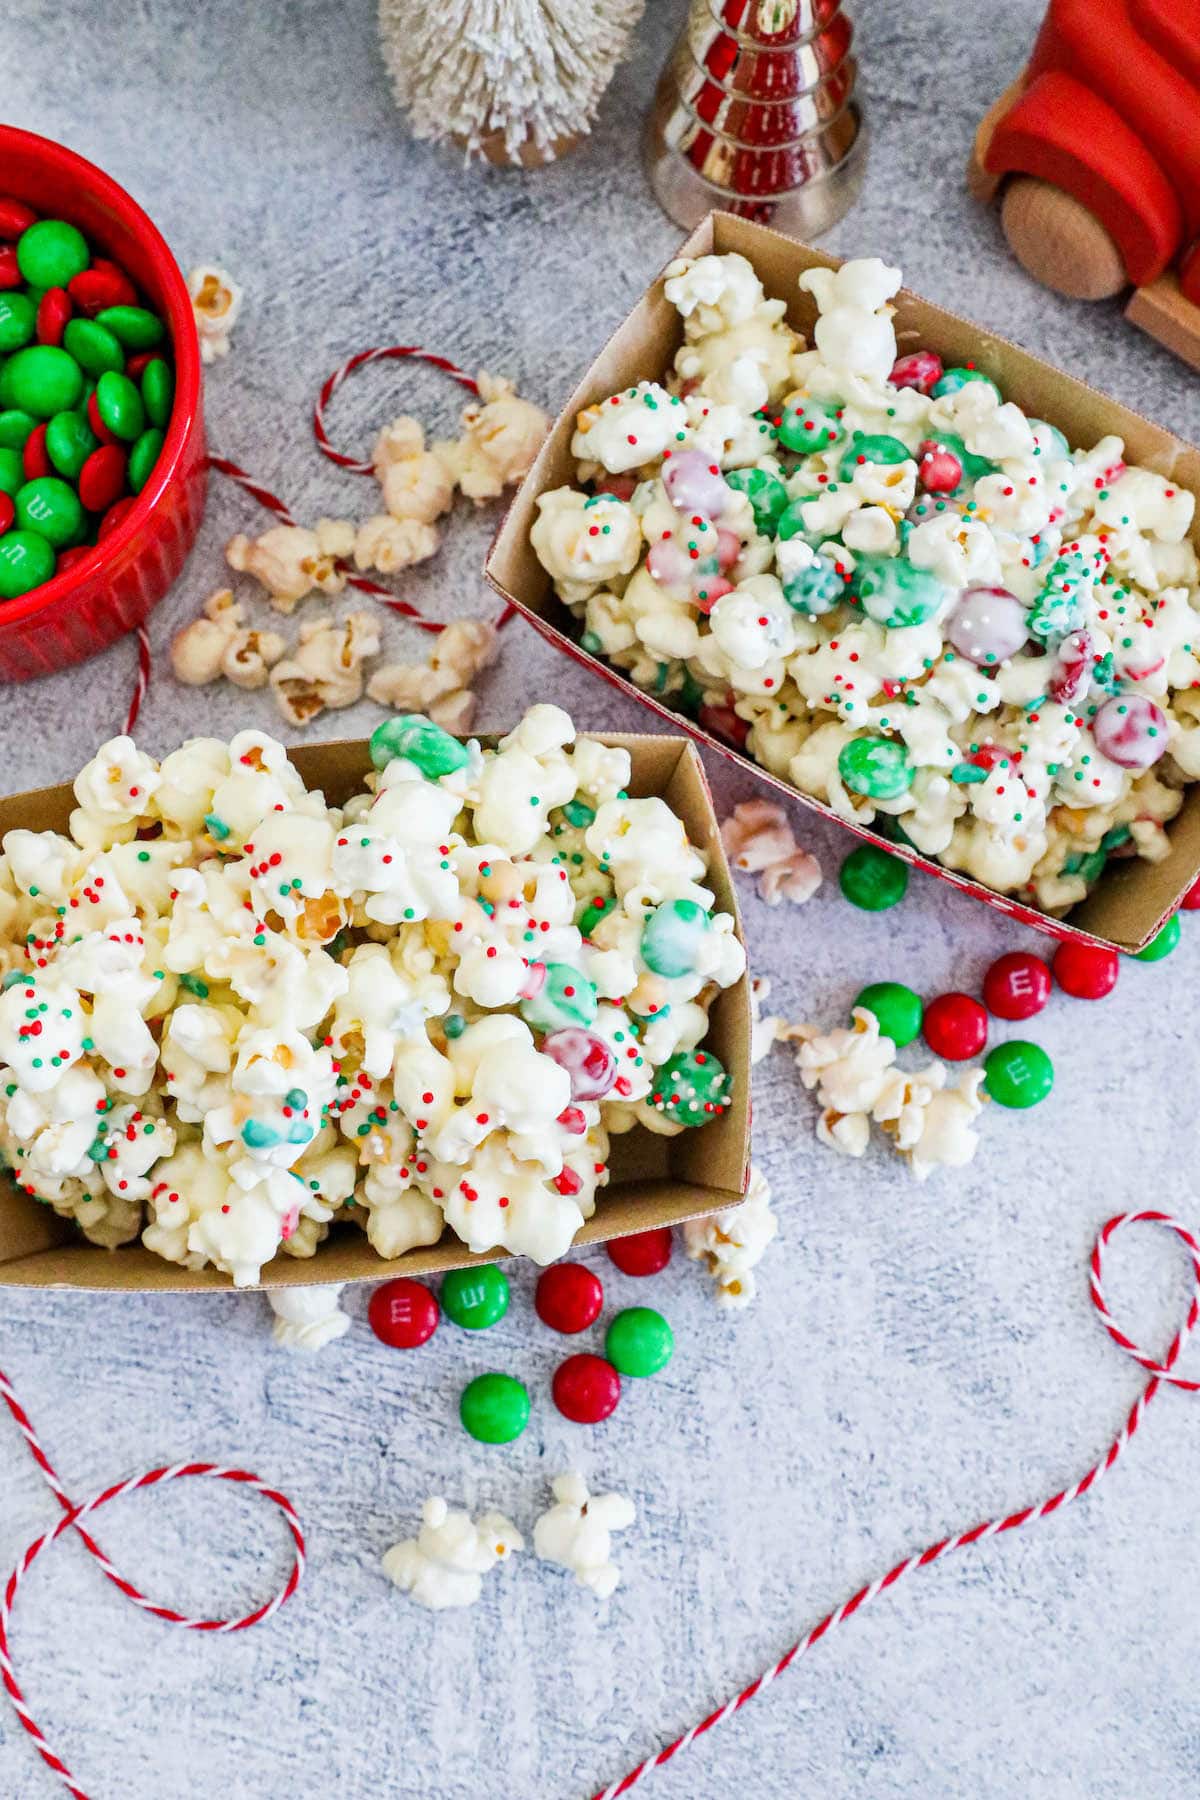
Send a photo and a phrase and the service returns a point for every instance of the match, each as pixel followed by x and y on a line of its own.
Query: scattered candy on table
pixel 445 1563
pixel 475 1298
pixel 1086 971
pixel 586 1388
pixel 955 1027
pixel 86 390
pixel 403 1313
pixel 568 1297
pixel 642 1252
pixel 898 1010
pixel 494 1408
pixel 1016 986
pixel 576 1533
pixel 872 879
pixel 1162 943
pixel 639 1341
pixel 1017 1074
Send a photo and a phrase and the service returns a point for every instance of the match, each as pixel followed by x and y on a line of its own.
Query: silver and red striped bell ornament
pixel 756 115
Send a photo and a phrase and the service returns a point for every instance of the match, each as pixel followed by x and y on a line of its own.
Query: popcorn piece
pixel 935 1129
pixel 759 840
pixel 216 303
pixel 445 1563
pixel 325 668
pixel 576 1533
pixel 501 438
pixel 390 544
pixel 307 1318
pixel 416 484
pixel 292 562
pixel 440 686
pixel 218 642
pixel 734 1242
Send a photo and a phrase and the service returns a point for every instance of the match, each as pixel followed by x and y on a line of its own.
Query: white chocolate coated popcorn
pixel 733 1243
pixel 216 303
pixel 882 551
pixel 235 1018
pixel 445 1563
pixel 307 1318
pixel 576 1533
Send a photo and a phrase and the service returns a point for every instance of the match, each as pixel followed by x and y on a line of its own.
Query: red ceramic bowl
pixel 108 592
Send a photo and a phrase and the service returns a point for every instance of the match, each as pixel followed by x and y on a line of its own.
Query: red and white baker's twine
pixel 257 491
pixel 1159 1373
pixel 72 1520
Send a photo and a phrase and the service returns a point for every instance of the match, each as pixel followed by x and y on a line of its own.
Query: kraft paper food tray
pixel 656 1180
pixel 1132 898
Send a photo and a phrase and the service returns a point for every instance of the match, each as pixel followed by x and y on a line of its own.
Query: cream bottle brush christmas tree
pixel 513 81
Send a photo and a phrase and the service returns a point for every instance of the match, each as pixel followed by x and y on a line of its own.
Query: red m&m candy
pixel 645 1253
pixel 919 369
pixel 1086 971
pixel 33 457
pixel 53 315
pixel 10 273
pixel 568 1298
pixel 102 478
pixel 1191 900
pixel 955 1027
pixel 1016 986
pixel 403 1314
pixel 15 217
pixel 586 1389
pixel 8 511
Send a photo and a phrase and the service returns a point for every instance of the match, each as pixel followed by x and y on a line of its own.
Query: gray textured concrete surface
pixel 920 1357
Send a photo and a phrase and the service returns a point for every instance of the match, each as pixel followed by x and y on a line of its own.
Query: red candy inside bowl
pixel 112 585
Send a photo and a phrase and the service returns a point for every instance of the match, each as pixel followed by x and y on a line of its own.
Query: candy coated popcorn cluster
pixel 230 1013
pixel 891 586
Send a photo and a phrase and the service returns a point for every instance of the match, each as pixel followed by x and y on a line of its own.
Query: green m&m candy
pixel 690 1088
pixel 872 447
pixel 430 749
pixel 26 560
pixel 954 379
pixel 639 1341
pixel 51 253
pixel 894 592
pixel 52 508
pixel 1017 1074
pixel 18 321
pixel 42 379
pixel 566 997
pixel 134 326
pixel 93 346
pixel 143 456
pixel 1162 943
pixel 671 937
pixel 12 471
pixel 898 1010
pixel 811 583
pixel 70 440
pixel 15 427
pixel 120 405
pixel 808 425
pixel 872 879
pixel 593 912
pixel 877 767
pixel 766 493
pixel 158 390
pixel 791 520
pixel 494 1408
pixel 475 1298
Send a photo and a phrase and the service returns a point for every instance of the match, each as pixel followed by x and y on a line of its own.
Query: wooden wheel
pixel 1059 242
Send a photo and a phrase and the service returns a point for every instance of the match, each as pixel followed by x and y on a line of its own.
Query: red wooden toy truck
pixel 1097 147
